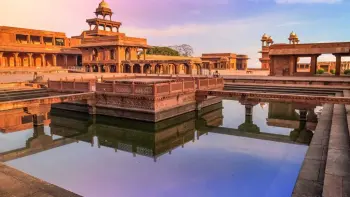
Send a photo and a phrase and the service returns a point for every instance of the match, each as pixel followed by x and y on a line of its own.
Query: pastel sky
pixel 207 25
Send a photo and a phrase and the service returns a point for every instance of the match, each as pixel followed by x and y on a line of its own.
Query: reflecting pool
pixel 243 149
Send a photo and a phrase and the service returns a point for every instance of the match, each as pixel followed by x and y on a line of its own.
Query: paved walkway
pixel 311 78
pixel 14 183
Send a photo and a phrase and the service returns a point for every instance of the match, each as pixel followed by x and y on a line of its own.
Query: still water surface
pixel 186 156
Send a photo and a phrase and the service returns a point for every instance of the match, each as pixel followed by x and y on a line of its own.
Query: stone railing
pixel 75 86
pixel 210 83
pixel 148 89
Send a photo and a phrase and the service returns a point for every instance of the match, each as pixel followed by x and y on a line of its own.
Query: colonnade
pixel 21 59
pixel 143 68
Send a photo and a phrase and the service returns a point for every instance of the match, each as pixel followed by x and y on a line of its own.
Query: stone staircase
pixel 326 168
pixel 22 94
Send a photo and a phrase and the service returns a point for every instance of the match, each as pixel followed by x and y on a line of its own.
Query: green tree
pixel 162 51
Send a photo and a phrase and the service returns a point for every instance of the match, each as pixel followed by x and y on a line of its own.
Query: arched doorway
pixel 159 69
pixel 112 69
pixel 137 68
pixel 172 69
pixel 94 68
pixel 147 69
pixel 87 68
pixel 126 68
pixel 102 68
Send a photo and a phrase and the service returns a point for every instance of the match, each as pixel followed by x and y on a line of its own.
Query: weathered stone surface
pixel 332 186
pixel 307 188
pixel 16 183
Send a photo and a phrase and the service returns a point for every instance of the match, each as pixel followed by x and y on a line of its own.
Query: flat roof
pixel 142 80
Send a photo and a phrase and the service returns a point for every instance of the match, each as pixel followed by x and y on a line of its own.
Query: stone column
pixel 30 59
pixel 16 59
pixel 141 67
pixel 28 39
pixel 65 60
pixel 43 59
pixel 144 54
pixel 337 64
pixel 76 60
pixel 292 65
pixel 41 40
pixel 1 62
pixel 54 59
pixel 131 68
pixel 99 68
pixel 313 64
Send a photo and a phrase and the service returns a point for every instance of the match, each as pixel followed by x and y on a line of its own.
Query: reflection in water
pixel 190 155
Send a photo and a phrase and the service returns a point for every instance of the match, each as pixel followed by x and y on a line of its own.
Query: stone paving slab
pixel 337 171
pixel 19 184
pixel 311 175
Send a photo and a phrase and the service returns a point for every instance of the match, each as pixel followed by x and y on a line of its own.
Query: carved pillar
pixel 28 39
pixel 337 64
pixel 54 59
pixel 313 64
pixel 43 60
pixel 76 60
pixel 99 68
pixel 41 40
pixel 131 68
pixel 1 62
pixel 30 59
pixel 153 67
pixel 292 65
pixel 65 60
pixel 141 67
pixel 144 54
pixel 16 59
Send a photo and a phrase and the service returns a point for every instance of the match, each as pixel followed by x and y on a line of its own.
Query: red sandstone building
pixel 101 48
pixel 28 48
pixel 282 59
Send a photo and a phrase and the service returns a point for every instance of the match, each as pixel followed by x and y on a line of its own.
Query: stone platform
pixel 147 98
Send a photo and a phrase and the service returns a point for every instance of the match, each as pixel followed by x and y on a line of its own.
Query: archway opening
pixel 112 69
pixel 126 68
pixel 147 69
pixel 137 68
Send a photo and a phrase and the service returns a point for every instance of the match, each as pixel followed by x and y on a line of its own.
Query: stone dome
pixel 265 36
pixel 103 4
pixel 293 34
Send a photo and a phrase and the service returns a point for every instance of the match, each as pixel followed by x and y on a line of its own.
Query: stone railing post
pixel 133 87
pixel 61 84
pixel 183 85
pixel 113 86
pixel 198 84
pixel 170 87
pixel 48 83
pixel 194 84
pixel 74 84
pixel 216 82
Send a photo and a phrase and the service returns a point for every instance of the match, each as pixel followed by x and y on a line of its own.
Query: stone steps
pixel 25 94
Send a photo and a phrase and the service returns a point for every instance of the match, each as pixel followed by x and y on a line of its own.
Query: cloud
pixel 307 1
pixel 241 36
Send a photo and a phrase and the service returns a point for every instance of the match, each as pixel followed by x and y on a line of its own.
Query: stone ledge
pixel 17 183
pixel 338 156
pixel 311 175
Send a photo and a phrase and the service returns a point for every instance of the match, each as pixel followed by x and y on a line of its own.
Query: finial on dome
pixel 103 4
